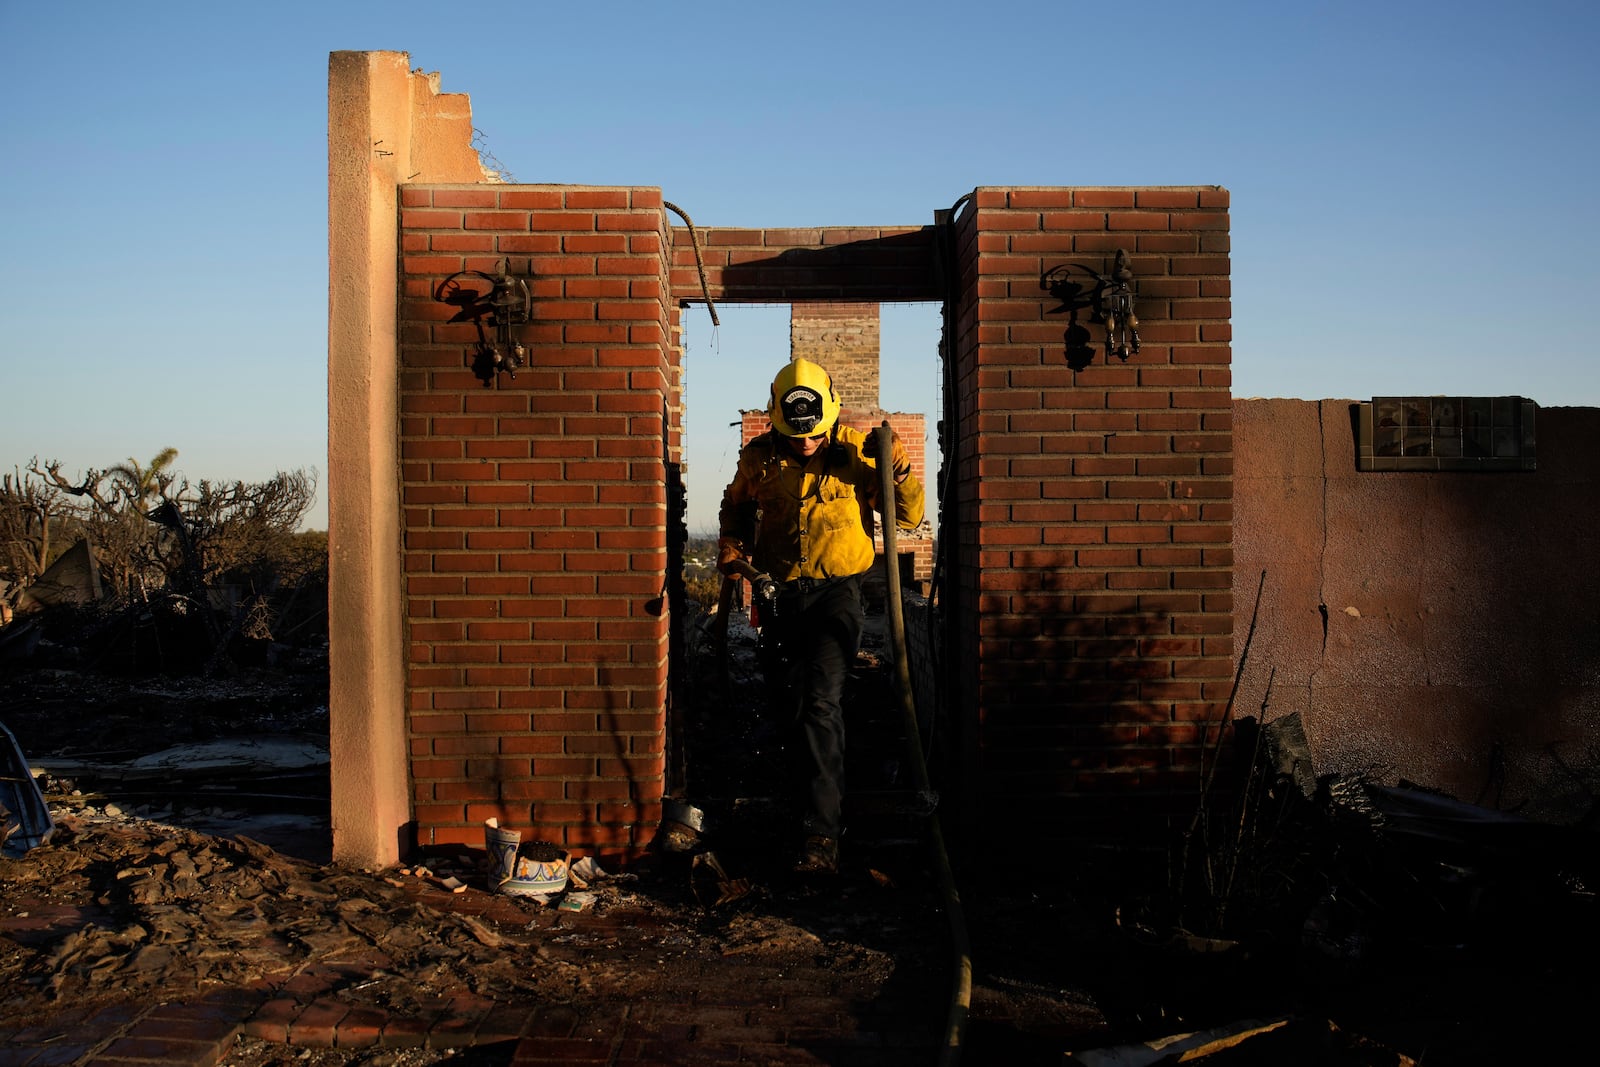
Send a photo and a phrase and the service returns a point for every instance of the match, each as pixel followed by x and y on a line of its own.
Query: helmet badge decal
pixel 802 408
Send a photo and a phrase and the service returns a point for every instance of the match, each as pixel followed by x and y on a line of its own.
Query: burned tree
pixel 209 557
pixel 243 530
pixel 32 513
pixel 135 558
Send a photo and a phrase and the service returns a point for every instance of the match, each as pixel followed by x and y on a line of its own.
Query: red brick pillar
pixel 535 518
pixel 1094 506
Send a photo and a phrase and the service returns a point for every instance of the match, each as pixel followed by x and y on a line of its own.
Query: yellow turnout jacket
pixel 799 518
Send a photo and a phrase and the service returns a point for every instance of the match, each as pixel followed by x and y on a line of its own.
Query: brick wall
pixel 1094 510
pixel 844 338
pixel 829 263
pixel 535 517
pixel 1093 515
pixel 1089 611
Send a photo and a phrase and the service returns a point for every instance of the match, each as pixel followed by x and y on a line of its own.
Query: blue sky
pixel 1413 184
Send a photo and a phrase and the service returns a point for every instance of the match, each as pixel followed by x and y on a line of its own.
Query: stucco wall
pixel 385 122
pixel 1443 628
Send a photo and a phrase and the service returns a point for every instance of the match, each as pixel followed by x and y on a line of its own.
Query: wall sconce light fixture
pixel 505 303
pixel 1110 303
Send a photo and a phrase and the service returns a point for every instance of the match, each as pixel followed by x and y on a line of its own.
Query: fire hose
pixel 764 590
pixel 961 984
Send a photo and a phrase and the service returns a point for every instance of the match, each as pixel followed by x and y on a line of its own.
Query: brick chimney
pixel 843 338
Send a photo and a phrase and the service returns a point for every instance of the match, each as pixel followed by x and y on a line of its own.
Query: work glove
pixel 899 460
pixel 765 590
pixel 729 550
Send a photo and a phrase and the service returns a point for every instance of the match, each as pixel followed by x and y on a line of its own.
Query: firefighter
pixel 806 482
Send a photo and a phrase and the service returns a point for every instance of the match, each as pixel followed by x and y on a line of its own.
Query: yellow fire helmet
pixel 804 403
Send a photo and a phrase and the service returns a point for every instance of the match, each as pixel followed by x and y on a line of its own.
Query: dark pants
pixel 810 645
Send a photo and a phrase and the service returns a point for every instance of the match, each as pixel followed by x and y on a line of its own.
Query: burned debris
pixel 1378 923
pixel 1304 918
pixel 25 820
pixel 1364 868
pixel 134 570
pixel 1323 919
